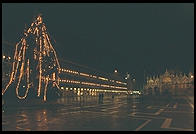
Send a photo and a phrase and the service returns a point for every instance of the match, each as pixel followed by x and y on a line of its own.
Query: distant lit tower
pixel 35 66
pixel 127 78
pixel 130 82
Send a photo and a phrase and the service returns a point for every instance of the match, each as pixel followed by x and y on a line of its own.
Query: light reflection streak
pixel 42 120
pixel 23 122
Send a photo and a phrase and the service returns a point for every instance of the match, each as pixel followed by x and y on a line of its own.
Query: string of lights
pixel 63 70
pixel 90 84
pixel 34 70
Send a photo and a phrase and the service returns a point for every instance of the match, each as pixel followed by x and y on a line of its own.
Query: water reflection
pixel 42 120
pixel 22 121
pixel 63 114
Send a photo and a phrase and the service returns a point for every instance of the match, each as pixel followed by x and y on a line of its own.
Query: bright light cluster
pixel 8 57
pixel 136 92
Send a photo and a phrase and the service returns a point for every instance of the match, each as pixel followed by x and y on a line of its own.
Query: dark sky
pixel 131 37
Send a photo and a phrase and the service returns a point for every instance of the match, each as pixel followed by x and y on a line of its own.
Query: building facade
pixel 173 83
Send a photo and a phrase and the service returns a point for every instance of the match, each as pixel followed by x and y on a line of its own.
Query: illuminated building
pixel 173 83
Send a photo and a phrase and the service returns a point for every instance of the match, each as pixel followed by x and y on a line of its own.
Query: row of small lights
pixel 91 84
pixel 91 90
pixel 92 76
pixel 85 83
pixel 135 92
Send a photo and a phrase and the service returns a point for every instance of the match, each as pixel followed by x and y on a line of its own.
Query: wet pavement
pixel 89 113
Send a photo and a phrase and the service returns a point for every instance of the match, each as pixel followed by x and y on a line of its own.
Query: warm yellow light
pixel 78 93
pixel 101 78
pixel 115 71
pixel 192 76
pixel 94 76
pixel 3 56
pixel 84 74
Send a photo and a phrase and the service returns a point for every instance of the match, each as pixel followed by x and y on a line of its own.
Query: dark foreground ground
pixel 121 113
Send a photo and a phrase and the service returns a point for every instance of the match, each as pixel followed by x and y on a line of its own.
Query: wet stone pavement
pixel 89 113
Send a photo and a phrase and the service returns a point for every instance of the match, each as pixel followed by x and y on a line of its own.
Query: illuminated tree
pixel 35 66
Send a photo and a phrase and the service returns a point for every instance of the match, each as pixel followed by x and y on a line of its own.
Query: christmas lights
pixel 33 55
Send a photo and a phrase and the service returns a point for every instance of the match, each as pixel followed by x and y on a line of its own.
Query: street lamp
pixel 115 70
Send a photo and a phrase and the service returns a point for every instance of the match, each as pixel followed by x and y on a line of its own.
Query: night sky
pixel 132 37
